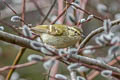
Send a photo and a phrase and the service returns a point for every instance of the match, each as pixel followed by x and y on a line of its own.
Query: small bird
pixel 58 35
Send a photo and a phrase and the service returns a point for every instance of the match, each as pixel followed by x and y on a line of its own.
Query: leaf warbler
pixel 58 35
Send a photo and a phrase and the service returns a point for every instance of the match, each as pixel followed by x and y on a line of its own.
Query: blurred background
pixel 102 8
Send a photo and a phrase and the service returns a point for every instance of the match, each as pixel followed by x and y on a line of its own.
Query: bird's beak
pixel 83 36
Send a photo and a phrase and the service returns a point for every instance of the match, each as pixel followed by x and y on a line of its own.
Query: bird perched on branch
pixel 57 35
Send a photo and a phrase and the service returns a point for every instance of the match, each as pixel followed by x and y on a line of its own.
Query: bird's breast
pixel 59 41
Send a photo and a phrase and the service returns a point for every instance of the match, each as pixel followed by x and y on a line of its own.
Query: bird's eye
pixel 75 31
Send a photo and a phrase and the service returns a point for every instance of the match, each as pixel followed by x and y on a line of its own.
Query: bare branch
pixel 18 66
pixel 14 39
pixel 96 31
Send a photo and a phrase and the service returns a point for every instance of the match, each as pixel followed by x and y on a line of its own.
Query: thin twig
pixel 92 75
pixel 96 62
pixel 12 27
pixel 80 14
pixel 48 12
pixel 94 32
pixel 88 13
pixel 14 10
pixel 39 9
pixel 17 66
pixel 10 7
pixel 22 50
pixel 98 70
pixel 64 10
pixel 60 8
pixel 23 11
pixel 17 59
pixel 54 69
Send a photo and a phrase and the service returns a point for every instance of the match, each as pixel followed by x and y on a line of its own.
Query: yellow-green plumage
pixel 60 36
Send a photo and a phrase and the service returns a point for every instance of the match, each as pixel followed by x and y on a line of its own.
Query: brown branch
pixel 39 9
pixel 94 32
pixel 21 41
pixel 17 66
pixel 48 12
pixel 12 27
pixel 23 11
pixel 22 50
pixel 10 7
pixel 26 42
pixel 60 8
pixel 10 38
pixel 80 14
pixel 85 11
pixel 16 61
pixel 95 73
pixel 64 10
pixel 30 7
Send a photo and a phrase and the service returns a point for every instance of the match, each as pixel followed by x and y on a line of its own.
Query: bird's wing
pixel 49 29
